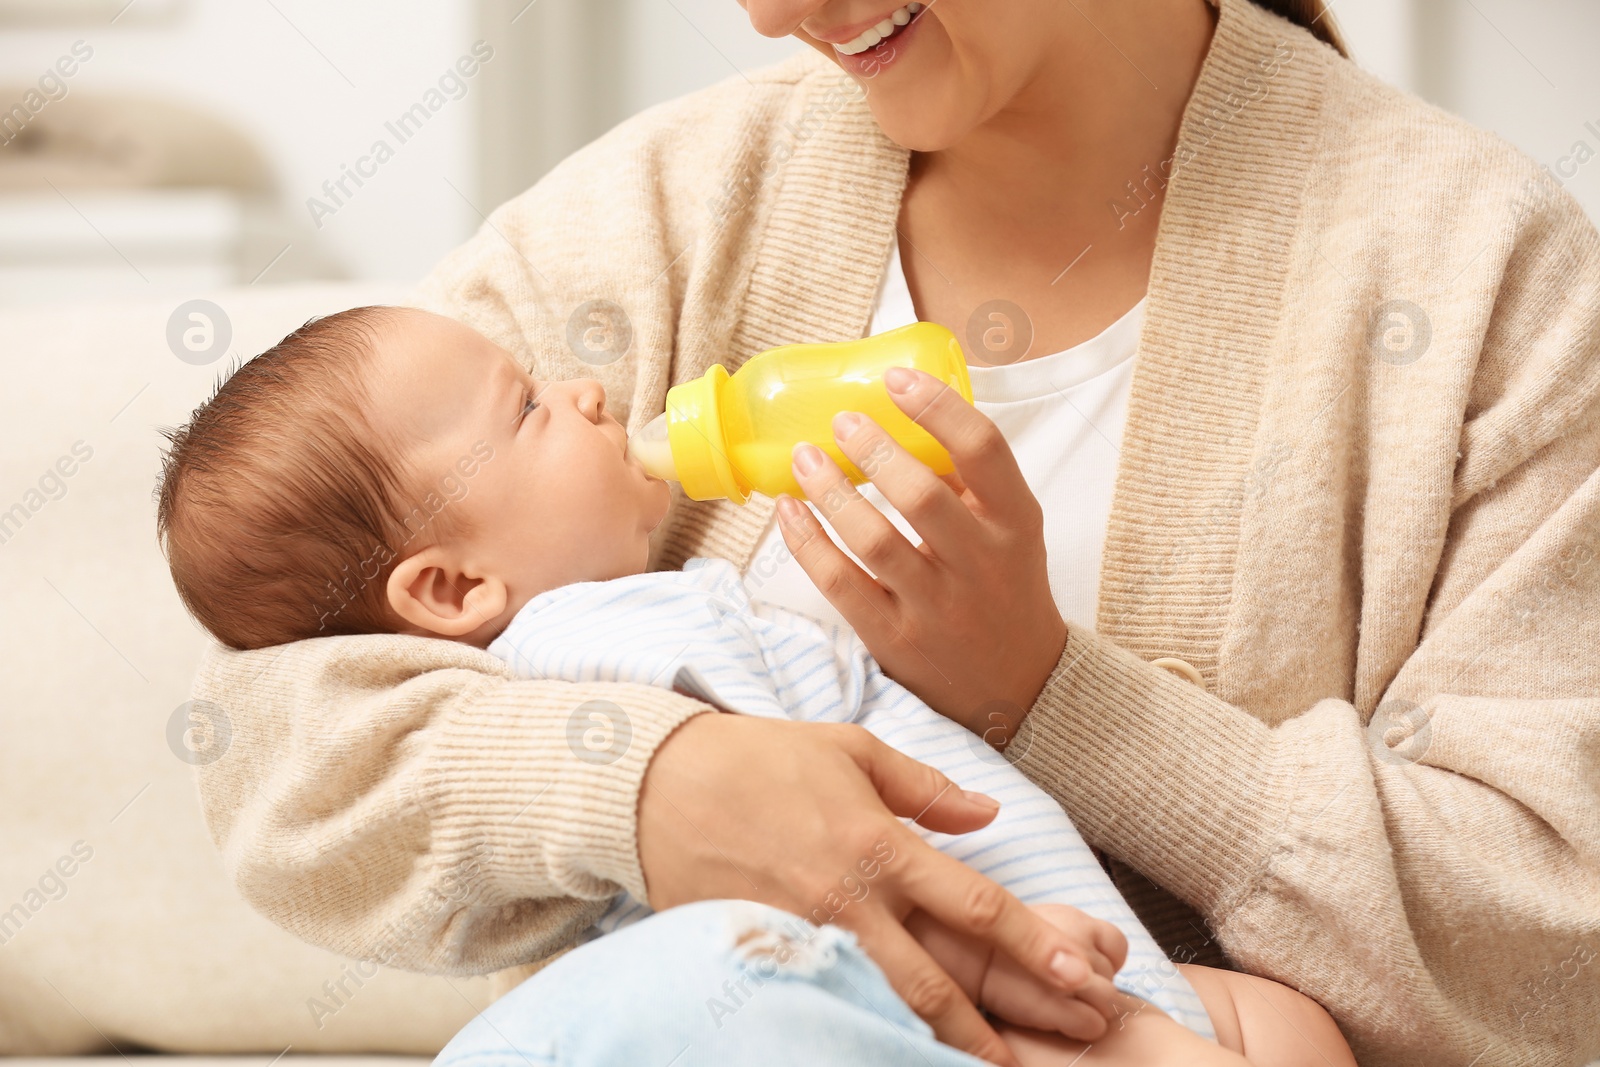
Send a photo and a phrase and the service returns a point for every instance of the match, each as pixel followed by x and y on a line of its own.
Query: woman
pixel 1301 635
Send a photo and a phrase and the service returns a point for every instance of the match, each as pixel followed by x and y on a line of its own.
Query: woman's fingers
pixel 965 900
pixel 982 457
pixel 1056 950
pixel 930 613
pixel 778 811
pixel 864 529
pixel 913 790
pixel 932 507
pixel 929 990
pixel 1043 972
pixel 855 593
pixel 1105 946
pixel 959 896
pixel 1000 986
pixel 871 609
pixel 1085 1016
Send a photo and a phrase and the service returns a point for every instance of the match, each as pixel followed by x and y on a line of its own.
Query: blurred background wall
pixel 198 143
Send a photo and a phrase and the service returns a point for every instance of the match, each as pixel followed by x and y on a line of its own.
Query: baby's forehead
pixel 434 374
pixel 440 335
pixel 428 349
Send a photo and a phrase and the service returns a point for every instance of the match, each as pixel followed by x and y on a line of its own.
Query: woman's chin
pixel 914 125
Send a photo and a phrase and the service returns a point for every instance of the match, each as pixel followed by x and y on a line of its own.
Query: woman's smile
pixel 876 33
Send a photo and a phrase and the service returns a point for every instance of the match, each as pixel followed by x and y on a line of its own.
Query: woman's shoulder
pixel 1454 234
pixel 1390 155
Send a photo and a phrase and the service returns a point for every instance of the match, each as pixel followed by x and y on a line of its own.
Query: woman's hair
pixel 1313 15
pixel 279 500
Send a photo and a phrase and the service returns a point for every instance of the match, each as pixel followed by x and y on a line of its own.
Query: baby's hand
pixel 999 985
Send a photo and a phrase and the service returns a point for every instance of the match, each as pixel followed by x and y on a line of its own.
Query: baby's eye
pixel 530 403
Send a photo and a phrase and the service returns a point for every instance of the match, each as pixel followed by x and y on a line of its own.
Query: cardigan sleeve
pixel 408 800
pixel 1429 871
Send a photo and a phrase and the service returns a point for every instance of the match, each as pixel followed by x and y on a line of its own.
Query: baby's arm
pixel 1258 1022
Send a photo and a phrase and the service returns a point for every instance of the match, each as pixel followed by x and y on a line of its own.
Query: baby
pixel 385 470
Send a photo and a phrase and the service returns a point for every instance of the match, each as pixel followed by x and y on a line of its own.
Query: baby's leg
pixel 1258 1022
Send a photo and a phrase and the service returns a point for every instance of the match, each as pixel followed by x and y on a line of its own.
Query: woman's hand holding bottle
pixel 965 620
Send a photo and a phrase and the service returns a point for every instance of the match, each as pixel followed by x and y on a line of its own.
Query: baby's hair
pixel 279 500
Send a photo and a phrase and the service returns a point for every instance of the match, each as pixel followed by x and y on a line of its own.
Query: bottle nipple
pixel 652 449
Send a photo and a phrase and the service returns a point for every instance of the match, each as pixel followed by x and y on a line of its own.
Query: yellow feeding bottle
pixel 730 435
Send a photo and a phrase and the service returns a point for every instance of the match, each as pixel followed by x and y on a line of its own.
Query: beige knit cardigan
pixel 1359 473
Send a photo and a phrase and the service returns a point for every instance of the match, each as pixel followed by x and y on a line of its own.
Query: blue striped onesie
pixel 698 631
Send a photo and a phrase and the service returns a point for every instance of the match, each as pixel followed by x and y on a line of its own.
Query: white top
pixel 1063 415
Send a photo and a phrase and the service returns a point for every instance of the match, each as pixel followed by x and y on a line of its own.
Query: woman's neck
pixel 1049 209
pixel 1107 104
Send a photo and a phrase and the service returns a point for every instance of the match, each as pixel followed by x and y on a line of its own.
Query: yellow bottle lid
pixel 699 448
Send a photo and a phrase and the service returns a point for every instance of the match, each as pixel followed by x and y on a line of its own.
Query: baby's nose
pixel 591 399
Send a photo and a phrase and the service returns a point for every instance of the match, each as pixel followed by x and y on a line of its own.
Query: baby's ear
pixel 431 592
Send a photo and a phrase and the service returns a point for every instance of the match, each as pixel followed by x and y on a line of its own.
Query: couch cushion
pixel 117 923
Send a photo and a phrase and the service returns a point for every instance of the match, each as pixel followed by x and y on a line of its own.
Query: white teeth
pixel 874 35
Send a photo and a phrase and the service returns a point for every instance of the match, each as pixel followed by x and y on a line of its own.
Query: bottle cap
pixel 699 450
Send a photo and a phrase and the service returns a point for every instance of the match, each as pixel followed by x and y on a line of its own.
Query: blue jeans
pixel 718 982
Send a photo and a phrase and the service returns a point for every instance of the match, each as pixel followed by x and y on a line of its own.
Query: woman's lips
pixel 875 60
pixel 874 34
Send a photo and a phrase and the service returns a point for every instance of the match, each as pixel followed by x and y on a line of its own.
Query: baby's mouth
pixel 873 36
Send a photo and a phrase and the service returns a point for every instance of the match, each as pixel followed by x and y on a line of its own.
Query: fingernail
pixel 900 379
pixel 807 458
pixel 981 800
pixel 1069 969
pixel 845 424
pixel 791 511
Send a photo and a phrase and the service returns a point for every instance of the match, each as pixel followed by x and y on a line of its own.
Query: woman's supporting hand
pixel 998 985
pixel 807 817
pixel 966 619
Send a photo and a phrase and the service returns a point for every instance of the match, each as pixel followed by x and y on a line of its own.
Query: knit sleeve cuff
pixel 1184 787
pixel 556 796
